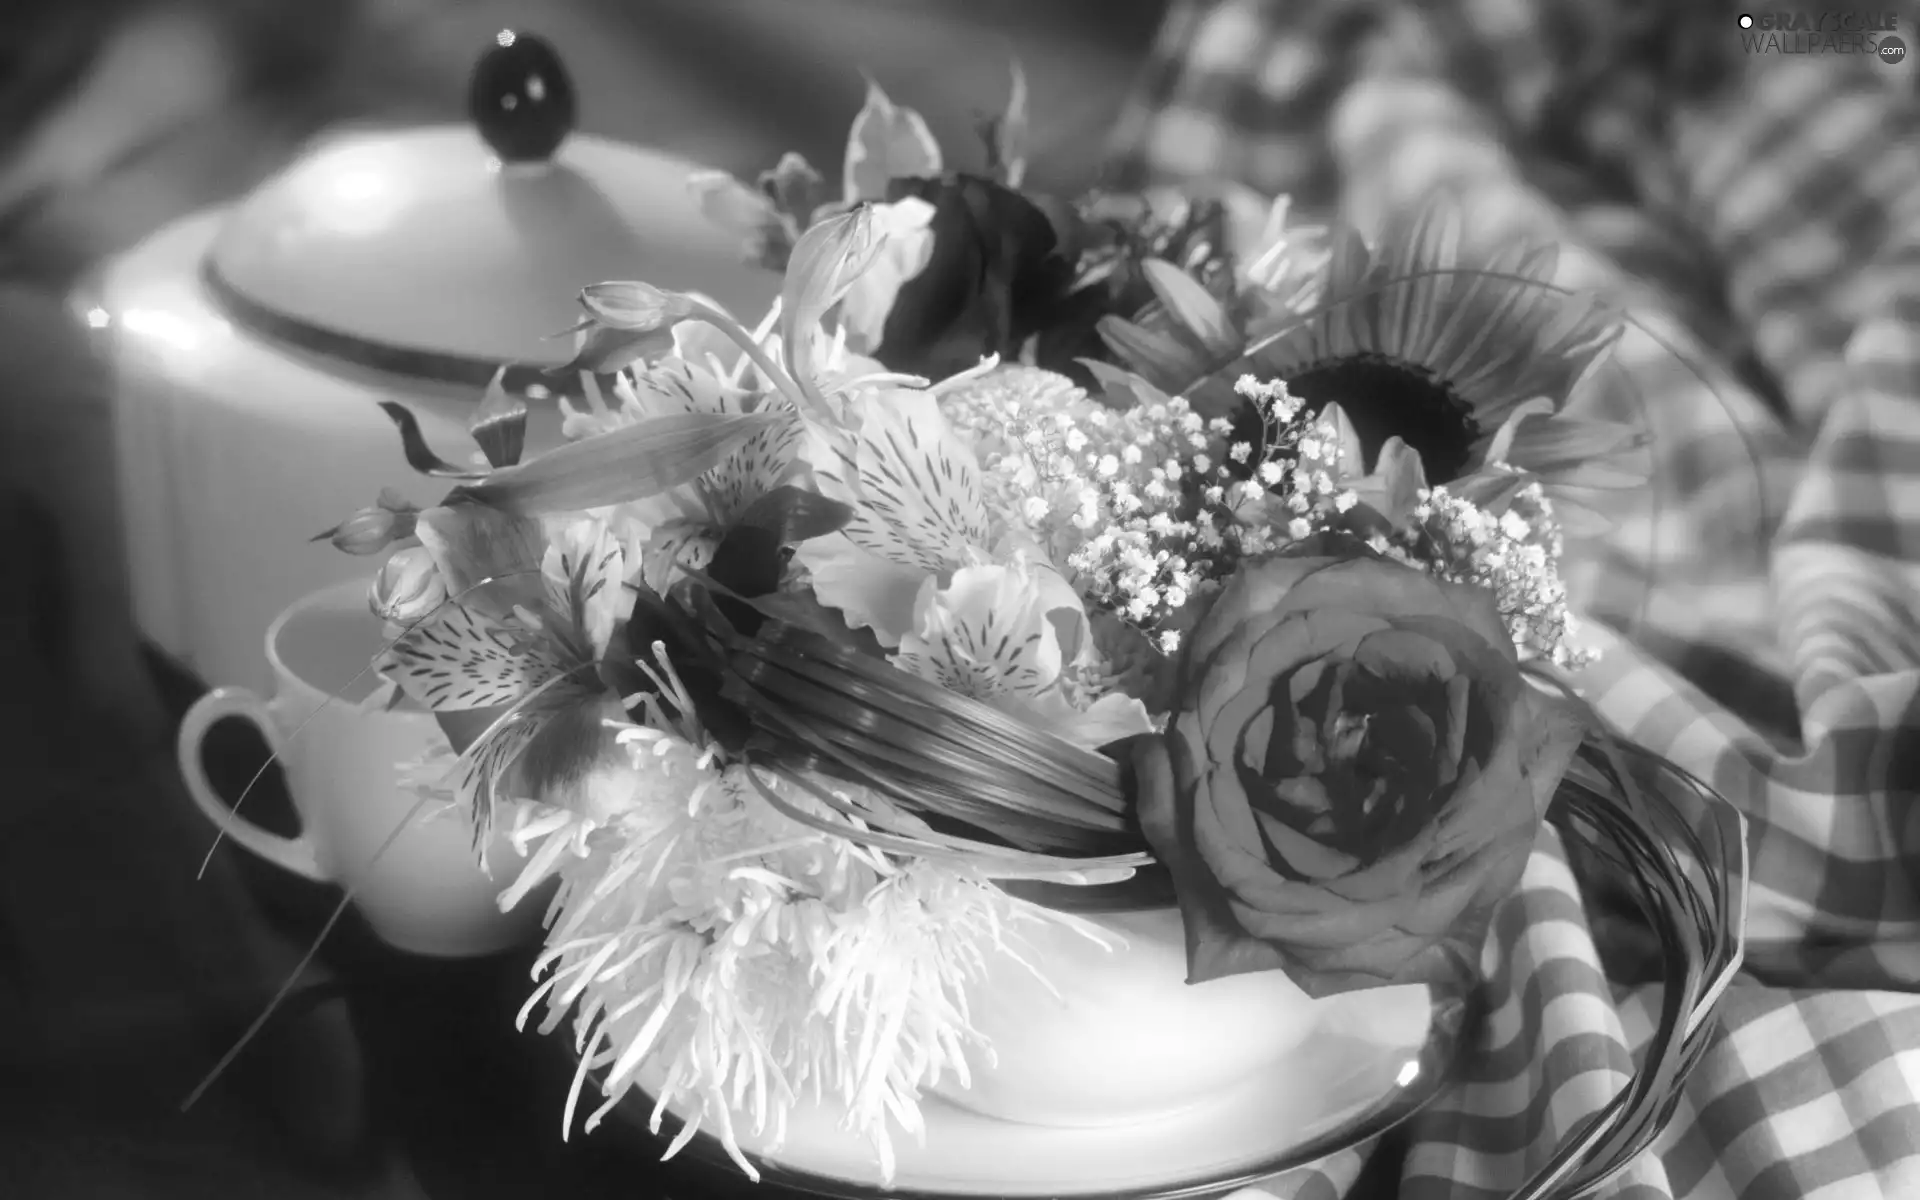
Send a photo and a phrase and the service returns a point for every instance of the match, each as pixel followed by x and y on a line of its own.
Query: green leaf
pixel 1502 445
pixel 1193 306
pixel 1007 144
pixel 1120 389
pixel 1350 457
pixel 1164 359
pixel 623 465
pixel 413 444
pixel 1404 475
pixel 794 514
pixel 887 142
pixel 796 189
pixel 1555 731
pixel 1492 488
pixel 734 206
pixel 499 425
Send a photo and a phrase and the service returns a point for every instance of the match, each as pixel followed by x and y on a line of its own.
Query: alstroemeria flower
pixel 788 372
pixel 529 613
pixel 771 216
pixel 994 633
pixel 918 510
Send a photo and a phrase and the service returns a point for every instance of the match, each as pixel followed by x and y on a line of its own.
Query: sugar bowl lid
pixel 448 251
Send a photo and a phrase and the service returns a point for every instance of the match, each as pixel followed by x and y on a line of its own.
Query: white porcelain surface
pixel 1067 1050
pixel 411 868
pixel 1363 1047
pixel 422 239
pixel 233 453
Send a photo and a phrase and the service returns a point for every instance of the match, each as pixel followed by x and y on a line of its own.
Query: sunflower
pixel 1472 365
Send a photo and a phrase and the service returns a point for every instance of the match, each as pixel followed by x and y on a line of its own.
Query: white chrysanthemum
pixel 738 962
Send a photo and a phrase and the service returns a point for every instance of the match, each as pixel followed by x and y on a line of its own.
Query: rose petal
pixel 1254 739
pixel 1307 638
pixel 1303 856
pixel 1400 655
pixel 1392 591
pixel 1459 694
pixel 1217 946
pixel 1476 607
pixel 1556 731
pixel 1224 831
pixel 1492 804
pixel 1331 923
pixel 1223 950
pixel 1227 834
pixel 1252 591
pixel 1220 686
pixel 1410 735
pixel 1305 679
pixel 1226 713
pixel 1492 667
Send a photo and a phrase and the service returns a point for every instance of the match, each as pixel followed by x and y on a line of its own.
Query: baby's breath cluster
pixel 1146 507
pixel 1515 556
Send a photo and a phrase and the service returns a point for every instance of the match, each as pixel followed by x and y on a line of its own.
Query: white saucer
pixel 1375 1058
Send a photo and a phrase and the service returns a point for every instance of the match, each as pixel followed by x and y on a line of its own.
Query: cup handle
pixel 295 854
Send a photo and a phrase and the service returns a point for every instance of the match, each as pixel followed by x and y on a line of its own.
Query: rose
pixel 999 264
pixel 1352 774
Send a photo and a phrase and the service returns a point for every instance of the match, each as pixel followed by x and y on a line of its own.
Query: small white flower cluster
pixel 1146 507
pixel 1516 557
pixel 1152 506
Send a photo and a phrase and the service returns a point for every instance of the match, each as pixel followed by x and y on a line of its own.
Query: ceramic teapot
pixel 252 344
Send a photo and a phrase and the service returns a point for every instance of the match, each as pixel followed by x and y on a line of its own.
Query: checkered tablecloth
pixel 1763 595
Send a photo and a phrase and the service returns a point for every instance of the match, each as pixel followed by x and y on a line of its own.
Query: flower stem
pixel 757 355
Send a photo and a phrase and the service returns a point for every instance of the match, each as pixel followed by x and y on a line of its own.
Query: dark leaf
pixel 413 444
pixel 625 464
pixel 499 425
pixel 696 659
pixel 748 562
pixel 605 350
pixel 794 514
pixel 796 190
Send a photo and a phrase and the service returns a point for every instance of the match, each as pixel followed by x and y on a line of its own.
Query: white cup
pixel 421 889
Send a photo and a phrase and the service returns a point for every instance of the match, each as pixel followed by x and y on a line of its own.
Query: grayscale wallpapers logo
pixel 1806 32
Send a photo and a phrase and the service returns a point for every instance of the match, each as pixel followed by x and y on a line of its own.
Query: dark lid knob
pixel 521 98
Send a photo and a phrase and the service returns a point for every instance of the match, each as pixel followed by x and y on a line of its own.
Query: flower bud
pixel 903 250
pixel 408 588
pixel 373 529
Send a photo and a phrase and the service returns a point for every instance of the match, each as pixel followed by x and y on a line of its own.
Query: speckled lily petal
pixel 458 659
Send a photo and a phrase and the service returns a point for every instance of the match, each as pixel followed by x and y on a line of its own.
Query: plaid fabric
pixel 1760 600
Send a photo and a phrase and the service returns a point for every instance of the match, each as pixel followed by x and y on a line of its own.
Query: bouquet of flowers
pixel 1031 559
